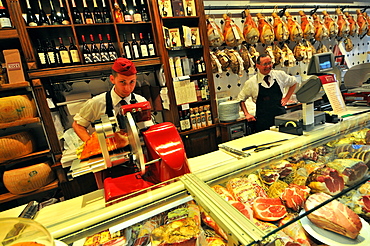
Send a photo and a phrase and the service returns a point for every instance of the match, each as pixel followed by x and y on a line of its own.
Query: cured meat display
pixel 250 29
pixel 295 30
pixel 232 34
pixel 214 33
pixel 280 28
pixel 321 31
pixel 353 26
pixel 362 23
pixel 343 24
pixel 330 24
pixel 267 35
pixel 307 26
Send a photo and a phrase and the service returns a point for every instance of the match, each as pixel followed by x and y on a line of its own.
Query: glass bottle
pixel 126 13
pixel 86 51
pixel 103 50
pixel 43 18
pixel 127 48
pixel 151 48
pixel 143 47
pixel 95 52
pixel 118 15
pixel 97 14
pixel 111 49
pixel 107 18
pixel 76 14
pixel 53 15
pixel 75 58
pixel 137 14
pixel 87 14
pixel 64 14
pixel 42 55
pixel 64 53
pixel 31 19
pixel 135 47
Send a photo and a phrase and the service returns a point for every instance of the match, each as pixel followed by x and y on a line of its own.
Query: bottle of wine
pixel 31 17
pixel 75 58
pixel 127 48
pixel 135 47
pixel 43 18
pixel 4 17
pixel 182 122
pixel 64 53
pixel 95 52
pixel 58 59
pixel 103 50
pixel 126 13
pixel 151 48
pixel 137 14
pixel 106 14
pixel 143 47
pixel 144 12
pixel 97 14
pixel 64 18
pixel 76 15
pixel 51 55
pixel 54 19
pixel 42 55
pixel 118 15
pixel 87 14
pixel 111 50
pixel 86 51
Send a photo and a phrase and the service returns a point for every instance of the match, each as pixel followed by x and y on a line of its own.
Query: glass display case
pixel 306 165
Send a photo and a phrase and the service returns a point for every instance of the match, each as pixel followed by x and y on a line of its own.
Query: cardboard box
pixel 165 8
pixel 13 66
pixel 175 37
pixel 177 7
pixel 189 8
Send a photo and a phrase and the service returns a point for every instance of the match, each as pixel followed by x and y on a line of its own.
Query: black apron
pixel 268 106
pixel 109 103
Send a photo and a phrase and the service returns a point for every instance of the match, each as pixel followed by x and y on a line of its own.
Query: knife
pixel 256 146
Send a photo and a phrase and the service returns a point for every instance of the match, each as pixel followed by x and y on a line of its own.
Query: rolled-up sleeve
pixel 90 111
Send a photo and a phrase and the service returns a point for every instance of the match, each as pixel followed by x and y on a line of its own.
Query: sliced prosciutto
pixel 268 209
pixel 295 195
pixel 244 208
pixel 333 216
pixel 366 203
pixel 326 180
pixel 243 190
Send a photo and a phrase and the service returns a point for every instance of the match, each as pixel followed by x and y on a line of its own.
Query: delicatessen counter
pixel 320 179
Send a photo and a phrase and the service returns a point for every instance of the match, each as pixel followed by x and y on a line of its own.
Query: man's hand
pixel 284 101
pixel 250 117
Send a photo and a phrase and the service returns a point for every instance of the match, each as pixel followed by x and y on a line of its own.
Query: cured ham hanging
pixel 246 57
pixel 321 32
pixel 343 24
pixel 353 27
pixel 280 28
pixel 330 24
pixel 214 33
pixel 362 23
pixel 295 30
pixel 250 29
pixel 307 26
pixel 266 30
pixel 232 34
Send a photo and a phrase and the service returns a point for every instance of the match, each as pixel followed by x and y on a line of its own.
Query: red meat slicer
pixel 159 158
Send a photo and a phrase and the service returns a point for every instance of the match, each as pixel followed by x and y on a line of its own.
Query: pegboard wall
pixel 228 84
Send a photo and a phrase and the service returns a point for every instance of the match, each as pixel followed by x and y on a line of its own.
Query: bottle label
pixel 89 21
pixel 128 52
pixel 74 56
pixel 104 56
pixel 137 18
pixel 112 55
pixel 65 57
pixel 5 22
pixel 151 49
pixel 96 57
pixel 144 50
pixel 42 58
pixel 128 18
pixel 32 24
pixel 136 51
pixel 88 58
pixel 66 22
pixel 51 57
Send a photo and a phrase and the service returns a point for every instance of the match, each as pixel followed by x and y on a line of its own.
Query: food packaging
pixel 14 66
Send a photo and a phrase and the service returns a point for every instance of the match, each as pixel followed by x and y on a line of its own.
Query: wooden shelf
pixel 8 33
pixel 19 122
pixel 27 157
pixel 7 197
pixel 197 130
pixel 6 87
pixel 78 69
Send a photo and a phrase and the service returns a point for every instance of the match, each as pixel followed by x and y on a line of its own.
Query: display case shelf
pixel 8 33
pixel 34 155
pixel 6 87
pixel 19 122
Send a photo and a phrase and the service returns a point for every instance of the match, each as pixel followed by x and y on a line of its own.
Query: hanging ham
pixel 367 18
pixel 278 54
pixel 266 30
pixel 214 33
pixel 270 52
pixel 232 34
pixel 307 26
pixel 343 24
pixel 295 30
pixel 330 24
pixel 321 32
pixel 280 28
pixel 288 56
pixel 246 57
pixel 299 52
pixel 362 24
pixel 250 29
pixel 353 27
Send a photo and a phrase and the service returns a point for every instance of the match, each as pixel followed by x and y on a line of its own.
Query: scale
pixel 354 79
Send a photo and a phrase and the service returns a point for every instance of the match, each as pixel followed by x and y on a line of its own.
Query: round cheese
pixel 16 145
pixel 16 108
pixel 27 179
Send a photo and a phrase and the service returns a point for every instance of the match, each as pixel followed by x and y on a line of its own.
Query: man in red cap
pixel 123 78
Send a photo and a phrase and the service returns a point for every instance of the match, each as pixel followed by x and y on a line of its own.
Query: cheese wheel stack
pixel 27 179
pixel 16 108
pixel 16 145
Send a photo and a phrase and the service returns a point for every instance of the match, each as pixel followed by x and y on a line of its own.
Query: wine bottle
pixel 53 15
pixel 135 47
pixel 137 15
pixel 118 15
pixel 126 13
pixel 86 51
pixel 103 50
pixel 106 13
pixel 30 16
pixel 42 55
pixel 143 47
pixel 64 53
pixel 58 59
pixel 95 52
pixel 87 14
pixel 111 50
pixel 97 14
pixel 4 17
pixel 75 58
pixel 64 18
pixel 127 48
pixel 144 12
pixel 43 18
pixel 76 15
pixel 182 122
pixel 51 55
pixel 151 48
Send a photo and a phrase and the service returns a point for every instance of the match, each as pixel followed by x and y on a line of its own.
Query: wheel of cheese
pixel 16 145
pixel 15 108
pixel 27 179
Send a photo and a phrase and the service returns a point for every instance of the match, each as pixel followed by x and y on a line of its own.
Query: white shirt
pixel 251 86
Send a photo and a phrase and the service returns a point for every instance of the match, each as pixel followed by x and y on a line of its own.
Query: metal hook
pixel 282 12
pixel 314 10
